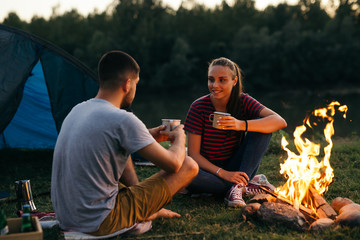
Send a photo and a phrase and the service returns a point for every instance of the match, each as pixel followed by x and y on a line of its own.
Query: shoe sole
pixel 234 204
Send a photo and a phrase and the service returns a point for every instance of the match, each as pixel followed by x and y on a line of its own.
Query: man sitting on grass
pixel 94 186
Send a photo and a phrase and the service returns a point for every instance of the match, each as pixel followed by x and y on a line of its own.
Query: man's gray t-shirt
pixel 91 152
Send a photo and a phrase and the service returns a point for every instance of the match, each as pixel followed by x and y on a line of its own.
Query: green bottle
pixel 4 229
pixel 26 225
pixel 26 208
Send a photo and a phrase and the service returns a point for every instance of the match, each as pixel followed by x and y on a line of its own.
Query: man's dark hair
pixel 116 67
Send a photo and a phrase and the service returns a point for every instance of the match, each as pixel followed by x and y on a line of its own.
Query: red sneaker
pixel 234 196
pixel 252 188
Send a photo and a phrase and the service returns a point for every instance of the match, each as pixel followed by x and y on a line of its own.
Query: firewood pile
pixel 271 208
pixel 299 202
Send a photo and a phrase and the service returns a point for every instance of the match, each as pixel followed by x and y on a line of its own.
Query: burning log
pixel 308 213
pixel 323 209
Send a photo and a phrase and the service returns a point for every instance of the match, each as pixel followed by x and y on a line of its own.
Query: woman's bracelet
pixel 246 125
pixel 217 172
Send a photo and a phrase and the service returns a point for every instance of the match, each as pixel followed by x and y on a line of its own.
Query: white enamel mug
pixel 214 117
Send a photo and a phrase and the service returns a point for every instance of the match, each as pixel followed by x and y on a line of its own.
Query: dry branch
pixel 324 210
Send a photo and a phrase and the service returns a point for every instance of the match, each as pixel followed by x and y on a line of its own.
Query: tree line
pixel 282 47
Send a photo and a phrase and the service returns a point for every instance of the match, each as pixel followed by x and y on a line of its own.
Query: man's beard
pixel 126 104
pixel 127 107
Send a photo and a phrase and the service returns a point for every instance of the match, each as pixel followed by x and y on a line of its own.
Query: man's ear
pixel 126 85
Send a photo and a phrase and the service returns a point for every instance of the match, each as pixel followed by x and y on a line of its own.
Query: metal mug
pixel 170 124
pixel 24 194
pixel 214 117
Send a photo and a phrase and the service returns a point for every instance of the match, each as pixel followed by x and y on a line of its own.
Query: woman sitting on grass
pixel 230 156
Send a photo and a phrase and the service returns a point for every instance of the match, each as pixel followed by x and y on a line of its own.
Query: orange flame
pixel 304 170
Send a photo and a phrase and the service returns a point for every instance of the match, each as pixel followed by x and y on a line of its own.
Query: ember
pixel 304 172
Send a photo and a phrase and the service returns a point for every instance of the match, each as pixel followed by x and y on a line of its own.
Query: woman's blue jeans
pixel 246 159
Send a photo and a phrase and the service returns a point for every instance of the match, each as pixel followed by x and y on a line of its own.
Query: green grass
pixel 203 217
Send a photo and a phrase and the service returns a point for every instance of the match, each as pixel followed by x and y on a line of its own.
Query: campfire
pixel 308 175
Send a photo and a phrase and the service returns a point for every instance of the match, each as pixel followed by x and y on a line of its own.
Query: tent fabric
pixel 39 84
pixel 33 125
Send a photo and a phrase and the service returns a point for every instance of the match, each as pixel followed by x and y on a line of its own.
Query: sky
pixel 26 9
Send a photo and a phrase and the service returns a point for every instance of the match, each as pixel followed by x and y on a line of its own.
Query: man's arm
pixel 129 176
pixel 170 160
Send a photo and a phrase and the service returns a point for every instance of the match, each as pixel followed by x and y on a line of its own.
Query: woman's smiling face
pixel 220 81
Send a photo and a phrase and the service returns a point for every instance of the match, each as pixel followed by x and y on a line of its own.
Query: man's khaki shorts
pixel 135 204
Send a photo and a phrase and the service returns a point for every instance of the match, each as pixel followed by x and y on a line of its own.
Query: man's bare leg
pixel 179 180
pixel 176 182
pixel 163 213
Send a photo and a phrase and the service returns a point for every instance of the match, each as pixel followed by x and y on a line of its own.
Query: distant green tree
pixel 142 29
pixel 99 44
pixel 175 73
pixel 282 47
pixel 348 8
pixel 276 17
pixel 40 27
pixel 13 20
pixel 70 31
pixel 313 17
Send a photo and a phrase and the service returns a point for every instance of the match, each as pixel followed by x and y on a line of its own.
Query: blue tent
pixel 39 84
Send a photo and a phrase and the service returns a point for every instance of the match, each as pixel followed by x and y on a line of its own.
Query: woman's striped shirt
pixel 217 144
